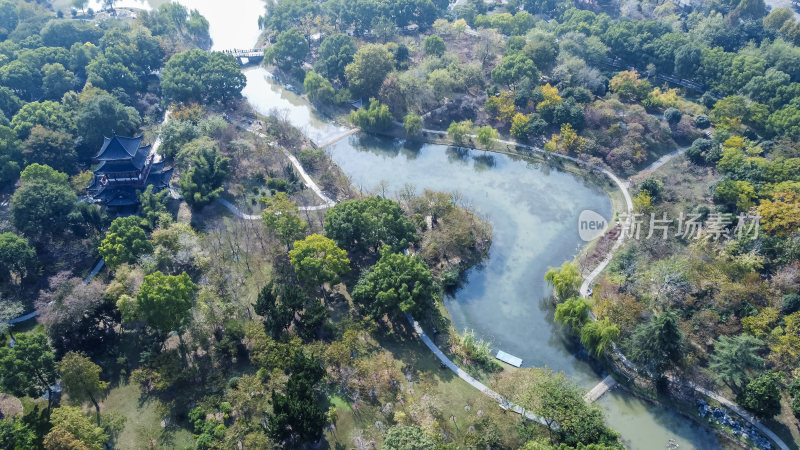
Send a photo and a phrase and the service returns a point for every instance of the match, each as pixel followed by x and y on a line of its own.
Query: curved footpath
pixel 584 292
pixel 327 202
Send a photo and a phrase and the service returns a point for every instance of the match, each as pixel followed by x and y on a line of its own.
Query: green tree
pixel 396 284
pixel 369 223
pixel 513 68
pixel 318 89
pixel 486 136
pixel 24 80
pixel 335 53
pixel 569 420
pixel 9 102
pixel 80 4
pixel 177 133
pixel 413 125
pixel 9 18
pixel 124 242
pixel 573 312
pixel 198 76
pixel 565 280
pixel 288 51
pixel 110 74
pixel 673 115
pixel 56 80
pixel 658 344
pixel 734 357
pixel 48 114
pixel 598 335
pixel 203 183
pixel 762 395
pixel 165 301
pixel 285 14
pixel 51 148
pixel 73 430
pixel 371 63
pixel 434 45
pixel 277 303
pixel 317 260
pixel 412 437
pixel 459 131
pixel 29 368
pixel 10 310
pixel 735 195
pixel 280 217
pixel 297 416
pixel 80 378
pixel 17 257
pixel 41 206
pixel 99 116
pixel 375 118
pixel 17 434
pixel 153 208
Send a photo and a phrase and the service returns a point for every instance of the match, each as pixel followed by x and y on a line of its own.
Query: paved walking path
pixel 664 159
pixel 504 403
pixel 307 180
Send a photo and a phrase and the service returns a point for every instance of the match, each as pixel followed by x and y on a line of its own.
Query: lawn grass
pixel 461 404
pixel 143 421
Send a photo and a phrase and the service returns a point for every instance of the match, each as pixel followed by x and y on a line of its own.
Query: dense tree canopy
pixel 17 257
pixel 42 205
pixel 335 53
pixel 296 416
pixel 396 284
pixel 124 242
pixel 203 182
pixel 164 301
pixel 369 223
pixel 198 76
pixel 371 63
pixel 29 367
pixel 317 260
pixel 288 51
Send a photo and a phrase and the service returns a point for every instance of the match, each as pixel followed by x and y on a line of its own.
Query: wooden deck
pixel 508 358
pixel 600 389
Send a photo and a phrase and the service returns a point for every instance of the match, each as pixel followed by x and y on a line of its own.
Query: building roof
pixel 137 163
pixel 118 148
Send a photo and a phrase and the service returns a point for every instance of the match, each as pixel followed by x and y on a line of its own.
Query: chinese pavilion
pixel 126 168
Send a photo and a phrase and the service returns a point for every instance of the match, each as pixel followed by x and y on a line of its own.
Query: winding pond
pixel 533 209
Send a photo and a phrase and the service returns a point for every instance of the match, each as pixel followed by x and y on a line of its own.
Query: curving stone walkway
pixel 504 403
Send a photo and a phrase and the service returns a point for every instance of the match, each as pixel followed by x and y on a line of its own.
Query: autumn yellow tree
pixel 781 215
pixel 629 86
pixel 567 141
pixel 550 97
pixel 501 106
